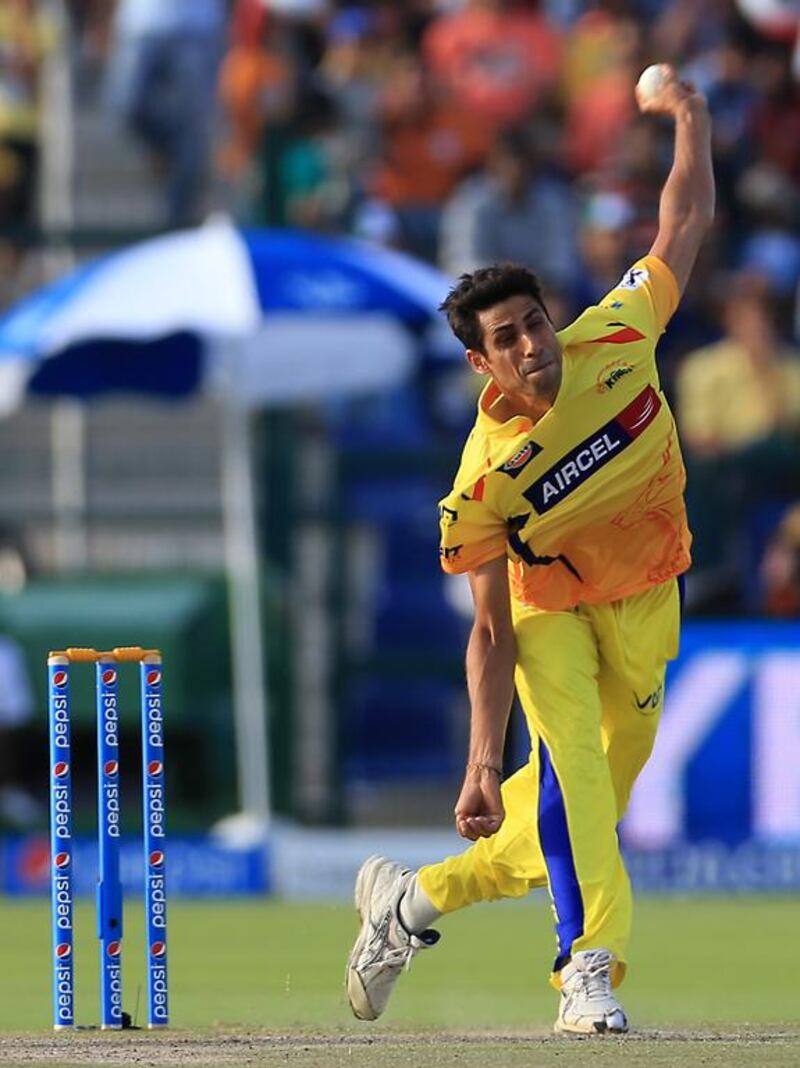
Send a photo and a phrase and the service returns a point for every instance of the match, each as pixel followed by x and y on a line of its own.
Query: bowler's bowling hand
pixel 479 810
pixel 670 95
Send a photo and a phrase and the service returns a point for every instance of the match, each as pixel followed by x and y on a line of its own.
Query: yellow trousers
pixel 591 685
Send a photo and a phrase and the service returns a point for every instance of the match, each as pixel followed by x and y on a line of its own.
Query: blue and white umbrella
pixel 262 317
pixel 310 317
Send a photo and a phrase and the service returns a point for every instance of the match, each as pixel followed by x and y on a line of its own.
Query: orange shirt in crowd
pixel 494 63
pixel 256 87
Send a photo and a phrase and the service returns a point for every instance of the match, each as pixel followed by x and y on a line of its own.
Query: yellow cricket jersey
pixel 588 502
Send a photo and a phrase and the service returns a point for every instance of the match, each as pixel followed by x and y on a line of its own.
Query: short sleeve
pixel 471 532
pixel 648 293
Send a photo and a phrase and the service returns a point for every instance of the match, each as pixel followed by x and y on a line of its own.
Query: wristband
pixel 476 766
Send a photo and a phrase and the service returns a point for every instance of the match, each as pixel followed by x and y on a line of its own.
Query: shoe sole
pixel 600 1028
pixel 356 994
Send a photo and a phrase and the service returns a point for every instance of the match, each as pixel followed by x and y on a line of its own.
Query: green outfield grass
pixel 700 965
pixel 278 965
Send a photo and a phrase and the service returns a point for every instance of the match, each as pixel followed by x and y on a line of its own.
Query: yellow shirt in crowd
pixel 587 503
pixel 724 400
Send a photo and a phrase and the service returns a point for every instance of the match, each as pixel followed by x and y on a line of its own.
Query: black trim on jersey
pixel 526 553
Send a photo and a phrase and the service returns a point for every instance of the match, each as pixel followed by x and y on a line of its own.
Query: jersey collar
pixel 517 424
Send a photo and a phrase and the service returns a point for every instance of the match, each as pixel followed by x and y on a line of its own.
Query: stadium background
pixel 462 133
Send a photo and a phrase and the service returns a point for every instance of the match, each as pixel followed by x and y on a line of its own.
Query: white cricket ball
pixel 652 80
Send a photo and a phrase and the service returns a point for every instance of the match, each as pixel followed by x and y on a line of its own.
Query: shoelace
pixel 401 956
pixel 596 978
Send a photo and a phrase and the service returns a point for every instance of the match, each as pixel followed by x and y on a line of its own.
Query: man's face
pixel 521 352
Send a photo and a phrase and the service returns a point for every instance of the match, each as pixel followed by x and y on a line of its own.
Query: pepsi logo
pixel 155 767
pixel 156 858
pixel 111 767
pixel 60 678
pixel 113 949
pixel 60 769
pixel 61 860
pixel 63 949
pixel 153 678
pixel 109 677
pixel 158 949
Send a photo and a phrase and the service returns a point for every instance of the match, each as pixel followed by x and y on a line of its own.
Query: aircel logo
pixel 573 469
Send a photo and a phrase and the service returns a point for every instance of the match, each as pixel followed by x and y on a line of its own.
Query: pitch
pixel 261 983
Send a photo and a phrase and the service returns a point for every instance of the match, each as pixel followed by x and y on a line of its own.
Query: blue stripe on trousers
pixel 557 849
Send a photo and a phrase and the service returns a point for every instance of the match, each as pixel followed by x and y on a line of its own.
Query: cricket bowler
pixel 567 514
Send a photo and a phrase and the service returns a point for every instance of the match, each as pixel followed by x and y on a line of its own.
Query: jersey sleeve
pixel 648 294
pixel 471 532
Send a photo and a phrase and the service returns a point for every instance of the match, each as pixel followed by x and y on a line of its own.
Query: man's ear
pixel 477 361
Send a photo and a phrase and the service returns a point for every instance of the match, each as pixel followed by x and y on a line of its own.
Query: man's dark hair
pixel 483 289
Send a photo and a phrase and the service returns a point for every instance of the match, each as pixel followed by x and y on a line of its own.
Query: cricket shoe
pixel 588 1005
pixel 383 947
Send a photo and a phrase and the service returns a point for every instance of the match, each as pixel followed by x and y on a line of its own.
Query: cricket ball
pixel 652 80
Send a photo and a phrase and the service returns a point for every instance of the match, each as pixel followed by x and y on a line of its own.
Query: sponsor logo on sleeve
pixel 450 552
pixel 447 516
pixel 634 278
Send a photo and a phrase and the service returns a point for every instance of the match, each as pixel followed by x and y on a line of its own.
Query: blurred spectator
pixel 309 192
pixel 600 102
pixel 258 90
pixel 686 32
pixel 592 47
pixel 163 73
pixel 519 208
pixel 769 204
pixel 24 36
pixel 604 242
pixel 428 146
pixel 494 58
pixel 732 102
pixel 780 569
pixel 362 46
pixel 738 406
pixel 776 116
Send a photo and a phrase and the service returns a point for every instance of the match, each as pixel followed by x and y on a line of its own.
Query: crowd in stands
pixel 470 131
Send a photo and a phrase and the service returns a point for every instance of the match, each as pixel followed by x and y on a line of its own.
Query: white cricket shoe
pixel 383 947
pixel 588 1005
